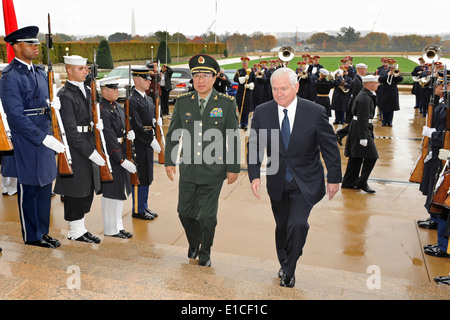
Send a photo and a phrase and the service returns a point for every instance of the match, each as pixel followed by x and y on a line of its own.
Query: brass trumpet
pixel 395 72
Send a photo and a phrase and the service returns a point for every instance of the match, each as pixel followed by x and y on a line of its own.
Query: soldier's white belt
pixel 36 112
pixel 356 118
pixel 82 129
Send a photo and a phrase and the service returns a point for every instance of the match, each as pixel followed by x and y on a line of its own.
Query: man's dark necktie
pixel 286 135
pixel 202 105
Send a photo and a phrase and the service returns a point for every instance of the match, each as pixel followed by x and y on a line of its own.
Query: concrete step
pixel 132 269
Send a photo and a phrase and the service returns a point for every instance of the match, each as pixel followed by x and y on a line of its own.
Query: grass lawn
pixel 333 63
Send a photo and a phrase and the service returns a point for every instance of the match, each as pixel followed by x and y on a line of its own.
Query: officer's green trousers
pixel 197 209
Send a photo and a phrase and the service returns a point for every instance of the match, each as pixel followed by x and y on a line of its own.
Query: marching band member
pixel 388 100
pixel 323 87
pixel 341 96
pixel 246 85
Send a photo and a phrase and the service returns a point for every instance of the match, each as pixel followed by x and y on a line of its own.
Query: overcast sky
pixel 193 17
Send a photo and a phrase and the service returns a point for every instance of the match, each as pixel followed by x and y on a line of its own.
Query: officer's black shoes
pixel 126 233
pixel 40 243
pixel 429 246
pixel 192 253
pixel 143 216
pixel 349 187
pixel 367 189
pixel 51 240
pixel 87 237
pixel 281 273
pixel 443 280
pixel 436 252
pixel 205 263
pixel 287 282
pixel 339 139
pixel 427 224
pixel 154 214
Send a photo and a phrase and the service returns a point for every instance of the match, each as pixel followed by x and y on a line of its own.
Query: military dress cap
pixel 324 71
pixel 440 78
pixel 110 82
pixel 75 60
pixel 361 65
pixel 203 63
pixel 142 72
pixel 26 34
pixel 245 59
pixel 370 78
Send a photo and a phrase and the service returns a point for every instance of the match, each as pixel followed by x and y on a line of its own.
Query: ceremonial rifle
pixel 64 158
pixel 134 178
pixel 5 132
pixel 158 128
pixel 100 144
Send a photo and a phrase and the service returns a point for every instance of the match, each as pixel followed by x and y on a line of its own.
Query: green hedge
pixel 122 51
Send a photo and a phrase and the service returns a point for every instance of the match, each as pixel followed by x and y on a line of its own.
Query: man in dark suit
pixel 166 87
pixel 296 129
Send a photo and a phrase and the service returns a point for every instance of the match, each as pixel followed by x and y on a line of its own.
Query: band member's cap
pixel 142 72
pixel 370 78
pixel 361 65
pixel 75 60
pixel 110 82
pixel 26 34
pixel 203 63
pixel 245 59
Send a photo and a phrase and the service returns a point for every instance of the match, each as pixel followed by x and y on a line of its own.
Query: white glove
pixel 55 104
pixel 52 143
pixel 241 80
pixel 251 86
pixel 129 166
pixel 96 158
pixel 131 135
pixel 444 154
pixel 159 122
pixel 99 125
pixel 155 145
pixel 363 142
pixel 427 132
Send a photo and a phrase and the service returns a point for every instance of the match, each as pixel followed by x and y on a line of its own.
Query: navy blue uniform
pixel 24 94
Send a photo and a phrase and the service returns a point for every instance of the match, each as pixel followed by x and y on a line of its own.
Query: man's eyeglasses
pixel 203 76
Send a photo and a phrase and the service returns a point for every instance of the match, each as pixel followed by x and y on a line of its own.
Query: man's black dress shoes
pixel 51 240
pixel 436 252
pixel 205 263
pixel 122 235
pixel 154 214
pixel 281 273
pixel 192 253
pixel 427 224
pixel 40 243
pixel 89 238
pixel 287 282
pixel 367 189
pixel 143 216
pixel 349 187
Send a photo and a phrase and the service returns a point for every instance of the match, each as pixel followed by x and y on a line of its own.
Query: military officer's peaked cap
pixel 370 78
pixel 440 78
pixel 75 60
pixel 26 34
pixel 110 82
pixel 203 63
pixel 142 72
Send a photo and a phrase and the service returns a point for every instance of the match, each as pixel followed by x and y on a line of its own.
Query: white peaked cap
pixel 361 65
pixel 370 78
pixel 324 71
pixel 110 81
pixel 75 60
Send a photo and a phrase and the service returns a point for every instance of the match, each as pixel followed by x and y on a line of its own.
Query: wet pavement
pixel 350 236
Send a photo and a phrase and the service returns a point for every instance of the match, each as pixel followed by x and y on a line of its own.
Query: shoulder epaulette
pixel 231 98
pixel 187 94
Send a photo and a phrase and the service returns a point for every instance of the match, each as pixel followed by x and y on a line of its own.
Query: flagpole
pixel 9 16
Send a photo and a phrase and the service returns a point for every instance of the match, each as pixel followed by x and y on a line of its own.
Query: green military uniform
pixel 204 161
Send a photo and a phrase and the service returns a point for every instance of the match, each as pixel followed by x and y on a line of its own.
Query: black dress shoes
pixel 287 282
pixel 205 263
pixel 88 237
pixel 427 224
pixel 154 214
pixel 51 240
pixel 126 233
pixel 192 253
pixel 143 216
pixel 367 189
pixel 436 252
pixel 349 187
pixel 40 243
pixel 122 235
pixel 281 273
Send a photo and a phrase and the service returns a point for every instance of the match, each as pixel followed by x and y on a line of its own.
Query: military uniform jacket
pixel 219 118
pixel 22 90
pixel 248 103
pixel 113 116
pixel 388 93
pixel 142 113
pixel 323 87
pixel 76 111
pixel 340 98
pixel 364 109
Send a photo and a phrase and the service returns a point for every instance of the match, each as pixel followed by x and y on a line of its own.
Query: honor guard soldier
pixel 244 94
pixel 202 174
pixel 77 117
pixel 142 120
pixel 116 192
pixel 360 146
pixel 24 94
